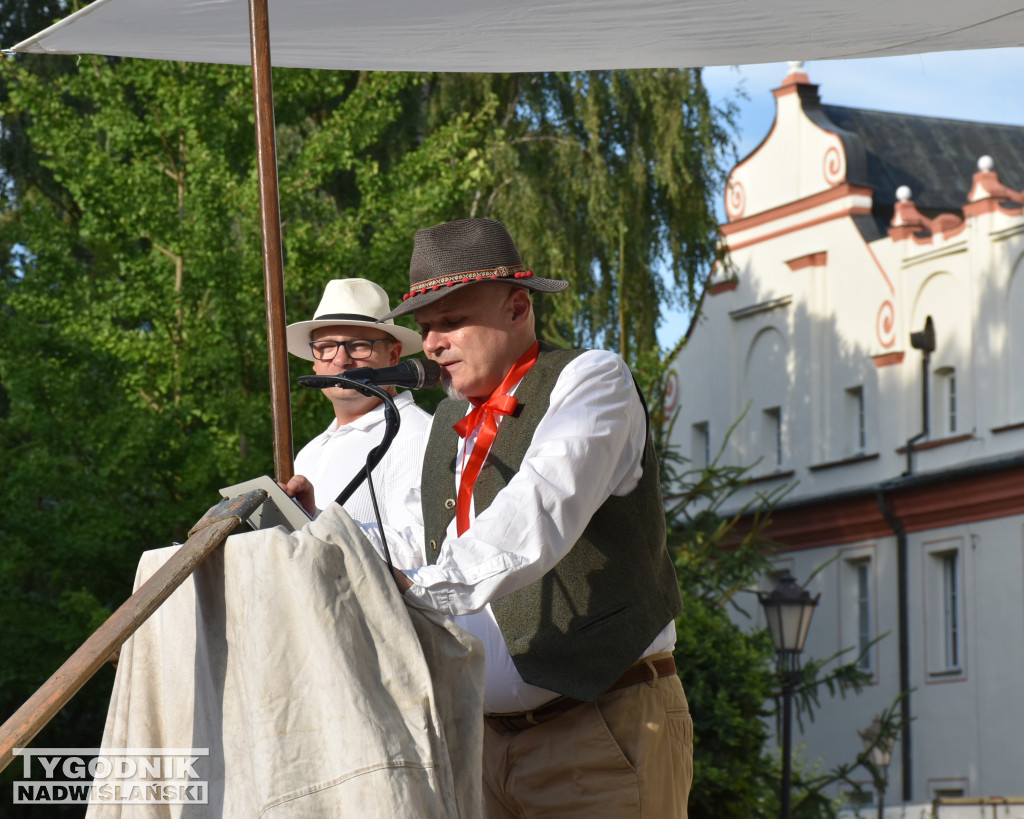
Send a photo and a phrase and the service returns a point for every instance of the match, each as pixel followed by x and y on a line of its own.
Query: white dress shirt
pixel 333 458
pixel 588 446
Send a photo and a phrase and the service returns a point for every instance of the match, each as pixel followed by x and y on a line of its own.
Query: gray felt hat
pixel 452 255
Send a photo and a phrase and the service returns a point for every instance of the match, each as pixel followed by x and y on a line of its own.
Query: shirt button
pixel 450 503
pixel 433 545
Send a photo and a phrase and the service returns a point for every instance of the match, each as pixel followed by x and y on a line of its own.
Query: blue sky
pixel 975 85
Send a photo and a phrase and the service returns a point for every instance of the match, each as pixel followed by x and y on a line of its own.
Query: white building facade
pixel 872 328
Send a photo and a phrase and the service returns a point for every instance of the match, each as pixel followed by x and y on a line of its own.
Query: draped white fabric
pixel 533 35
pixel 315 687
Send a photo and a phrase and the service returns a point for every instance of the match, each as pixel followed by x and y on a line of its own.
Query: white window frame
pixel 772 438
pixel 947 400
pixel 858 601
pixel 951 620
pixel 700 445
pixel 865 621
pixel 953 787
pixel 945 609
pixel 856 421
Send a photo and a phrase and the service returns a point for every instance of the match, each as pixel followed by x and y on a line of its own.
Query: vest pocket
pixel 603 619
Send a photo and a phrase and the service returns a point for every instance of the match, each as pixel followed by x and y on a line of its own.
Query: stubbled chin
pixel 449 390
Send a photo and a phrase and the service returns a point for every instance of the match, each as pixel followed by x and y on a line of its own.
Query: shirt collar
pixel 369 420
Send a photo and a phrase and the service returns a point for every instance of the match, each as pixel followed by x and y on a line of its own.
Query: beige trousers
pixel 630 754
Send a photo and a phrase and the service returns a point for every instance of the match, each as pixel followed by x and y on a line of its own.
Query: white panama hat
pixel 351 302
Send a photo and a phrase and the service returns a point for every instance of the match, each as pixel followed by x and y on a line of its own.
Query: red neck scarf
pixel 500 403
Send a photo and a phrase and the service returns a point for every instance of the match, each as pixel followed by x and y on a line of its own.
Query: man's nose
pixel 432 342
pixel 342 358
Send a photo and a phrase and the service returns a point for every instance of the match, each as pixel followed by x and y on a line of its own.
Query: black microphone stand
pixel 392 421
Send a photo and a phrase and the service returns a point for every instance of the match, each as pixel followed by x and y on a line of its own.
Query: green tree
pixel 606 179
pixel 132 346
pixel 722 550
pixel 117 329
pixel 726 670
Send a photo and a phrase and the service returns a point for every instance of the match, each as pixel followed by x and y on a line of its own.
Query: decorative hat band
pixel 517 272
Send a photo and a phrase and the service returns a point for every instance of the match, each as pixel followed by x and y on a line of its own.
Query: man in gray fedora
pixel 544 535
pixel 348 331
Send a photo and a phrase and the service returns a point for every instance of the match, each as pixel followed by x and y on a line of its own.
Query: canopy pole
pixel 270 222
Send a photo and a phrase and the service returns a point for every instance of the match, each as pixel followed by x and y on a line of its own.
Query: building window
pixel 951 394
pixel 772 431
pixel 948 792
pixel 862 569
pixel 946 395
pixel 700 446
pixel 856 435
pixel 857 606
pixel 944 607
pixel 950 608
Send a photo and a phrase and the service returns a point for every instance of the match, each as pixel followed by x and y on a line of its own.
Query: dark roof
pixel 935 156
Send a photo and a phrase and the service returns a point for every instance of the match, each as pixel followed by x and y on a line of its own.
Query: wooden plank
pixel 68 680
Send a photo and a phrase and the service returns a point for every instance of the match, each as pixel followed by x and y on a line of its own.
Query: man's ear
pixel 396 353
pixel 521 304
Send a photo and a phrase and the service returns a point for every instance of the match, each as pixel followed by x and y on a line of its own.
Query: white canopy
pixel 533 35
pixel 500 36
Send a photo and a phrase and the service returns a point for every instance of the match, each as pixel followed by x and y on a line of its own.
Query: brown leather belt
pixel 643 671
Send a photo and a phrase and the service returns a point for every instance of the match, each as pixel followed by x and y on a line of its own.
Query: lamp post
pixel 878 746
pixel 788 608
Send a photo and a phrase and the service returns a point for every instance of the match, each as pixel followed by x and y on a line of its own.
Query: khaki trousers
pixel 630 754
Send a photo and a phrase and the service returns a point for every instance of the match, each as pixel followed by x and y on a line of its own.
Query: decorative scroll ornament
pixel 885 325
pixel 671 391
pixel 735 200
pixel 834 166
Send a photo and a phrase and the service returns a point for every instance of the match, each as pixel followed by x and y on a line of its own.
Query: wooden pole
pixel 270 221
pixel 79 668
pixel 210 532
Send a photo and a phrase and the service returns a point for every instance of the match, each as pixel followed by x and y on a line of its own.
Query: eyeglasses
pixel 356 348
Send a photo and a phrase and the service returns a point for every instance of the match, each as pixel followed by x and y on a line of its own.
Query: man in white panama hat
pixel 347 332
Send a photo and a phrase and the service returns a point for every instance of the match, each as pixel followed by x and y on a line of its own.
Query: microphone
pixel 413 374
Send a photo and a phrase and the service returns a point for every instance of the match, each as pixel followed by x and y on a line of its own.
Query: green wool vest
pixel 578 628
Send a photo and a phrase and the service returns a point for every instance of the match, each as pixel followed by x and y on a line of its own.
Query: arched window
pixel 767 382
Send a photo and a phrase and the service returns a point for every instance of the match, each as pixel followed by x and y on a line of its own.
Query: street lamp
pixel 788 609
pixel 878 746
